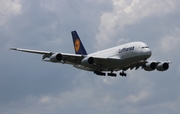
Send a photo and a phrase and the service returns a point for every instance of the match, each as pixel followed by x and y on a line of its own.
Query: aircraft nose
pixel 148 52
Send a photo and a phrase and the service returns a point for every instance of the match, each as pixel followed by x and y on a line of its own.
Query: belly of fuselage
pixel 113 65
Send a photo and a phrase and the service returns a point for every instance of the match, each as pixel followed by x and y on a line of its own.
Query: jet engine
pixel 56 57
pixel 162 66
pixel 87 61
pixel 150 66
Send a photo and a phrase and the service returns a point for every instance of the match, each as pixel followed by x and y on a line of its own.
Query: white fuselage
pixel 126 55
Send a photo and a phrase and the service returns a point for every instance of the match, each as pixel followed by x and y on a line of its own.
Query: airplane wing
pixel 72 59
pixel 30 51
pixel 135 65
pixel 66 57
pixel 149 65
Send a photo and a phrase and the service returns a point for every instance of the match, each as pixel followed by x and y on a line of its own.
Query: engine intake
pixel 150 66
pixel 87 61
pixel 162 66
pixel 56 57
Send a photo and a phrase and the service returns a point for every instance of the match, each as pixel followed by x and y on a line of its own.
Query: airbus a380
pixel 119 58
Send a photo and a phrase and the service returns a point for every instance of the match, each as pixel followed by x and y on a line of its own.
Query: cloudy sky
pixel 30 86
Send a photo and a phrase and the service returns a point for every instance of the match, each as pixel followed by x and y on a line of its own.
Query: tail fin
pixel 78 46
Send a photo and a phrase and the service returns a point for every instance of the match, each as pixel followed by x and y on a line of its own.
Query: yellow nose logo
pixel 77 45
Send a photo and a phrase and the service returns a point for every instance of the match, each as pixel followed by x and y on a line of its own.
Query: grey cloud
pixel 29 85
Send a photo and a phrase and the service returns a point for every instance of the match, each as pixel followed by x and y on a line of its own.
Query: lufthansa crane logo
pixel 77 45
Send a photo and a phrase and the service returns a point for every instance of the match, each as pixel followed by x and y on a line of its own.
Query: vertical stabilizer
pixel 78 46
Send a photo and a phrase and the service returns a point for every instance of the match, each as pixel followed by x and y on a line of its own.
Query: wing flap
pixel 71 58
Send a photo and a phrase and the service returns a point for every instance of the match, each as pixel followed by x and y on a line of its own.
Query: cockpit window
pixel 144 47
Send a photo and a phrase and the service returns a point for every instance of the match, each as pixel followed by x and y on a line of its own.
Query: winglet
pixel 12 48
pixel 78 46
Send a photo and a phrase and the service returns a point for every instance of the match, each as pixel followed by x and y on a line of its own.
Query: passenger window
pixel 144 47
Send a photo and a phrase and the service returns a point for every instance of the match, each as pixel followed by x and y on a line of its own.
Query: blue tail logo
pixel 78 46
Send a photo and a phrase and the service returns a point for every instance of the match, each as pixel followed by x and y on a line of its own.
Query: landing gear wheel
pixel 112 74
pixel 100 73
pixel 122 74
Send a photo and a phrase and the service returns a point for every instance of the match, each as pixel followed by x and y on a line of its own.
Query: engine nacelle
pixel 162 66
pixel 150 66
pixel 56 57
pixel 87 61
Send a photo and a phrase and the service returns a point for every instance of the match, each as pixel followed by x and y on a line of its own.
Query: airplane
pixel 119 58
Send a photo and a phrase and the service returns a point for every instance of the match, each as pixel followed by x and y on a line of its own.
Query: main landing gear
pixel 100 73
pixel 122 74
pixel 110 74
pixel 104 74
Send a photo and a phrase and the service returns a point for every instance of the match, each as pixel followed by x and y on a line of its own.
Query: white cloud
pixel 122 40
pixel 127 13
pixel 139 97
pixel 170 41
pixel 45 100
pixel 8 8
